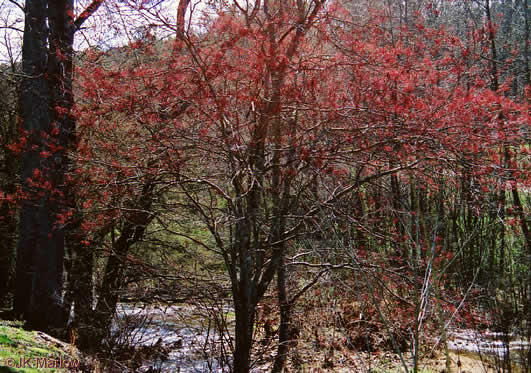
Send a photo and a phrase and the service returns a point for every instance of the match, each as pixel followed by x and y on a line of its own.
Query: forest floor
pixel 29 351
pixel 310 357
pixel 312 352
pixel 387 362
pixel 323 346
pixel 18 346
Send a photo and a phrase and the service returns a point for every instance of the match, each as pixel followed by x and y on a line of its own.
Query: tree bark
pixel 41 244
pixel 113 279
pixel 8 227
pixel 244 312
pixel 46 101
pixel 285 318
pixel 8 181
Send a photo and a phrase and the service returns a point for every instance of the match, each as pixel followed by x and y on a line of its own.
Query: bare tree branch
pixel 17 5
pixel 90 10
pixel 11 28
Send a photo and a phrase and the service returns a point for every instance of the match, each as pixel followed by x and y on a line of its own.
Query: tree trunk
pixel 244 313
pixel 46 101
pixel 8 181
pixel 285 319
pixel 41 245
pixel 80 295
pixel 8 227
pixel 244 295
pixel 7 252
pixel 113 279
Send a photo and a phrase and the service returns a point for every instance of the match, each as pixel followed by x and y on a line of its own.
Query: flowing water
pixel 192 347
pixel 488 343
pixel 174 333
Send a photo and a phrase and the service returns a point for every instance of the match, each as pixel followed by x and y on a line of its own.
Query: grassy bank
pixel 31 351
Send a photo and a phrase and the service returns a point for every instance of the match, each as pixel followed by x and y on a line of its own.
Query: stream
pixel 189 347
pixel 486 343
pixel 184 343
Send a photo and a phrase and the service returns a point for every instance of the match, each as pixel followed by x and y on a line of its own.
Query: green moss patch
pixel 31 352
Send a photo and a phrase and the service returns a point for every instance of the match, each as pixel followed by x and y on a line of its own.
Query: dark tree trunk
pixel 285 319
pixel 396 203
pixel 8 181
pixel 41 244
pixel 79 294
pixel 244 293
pixel 93 326
pixel 79 259
pixel 60 80
pixel 46 101
pixel 113 279
pixel 7 249
pixel 244 313
pixel 8 228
